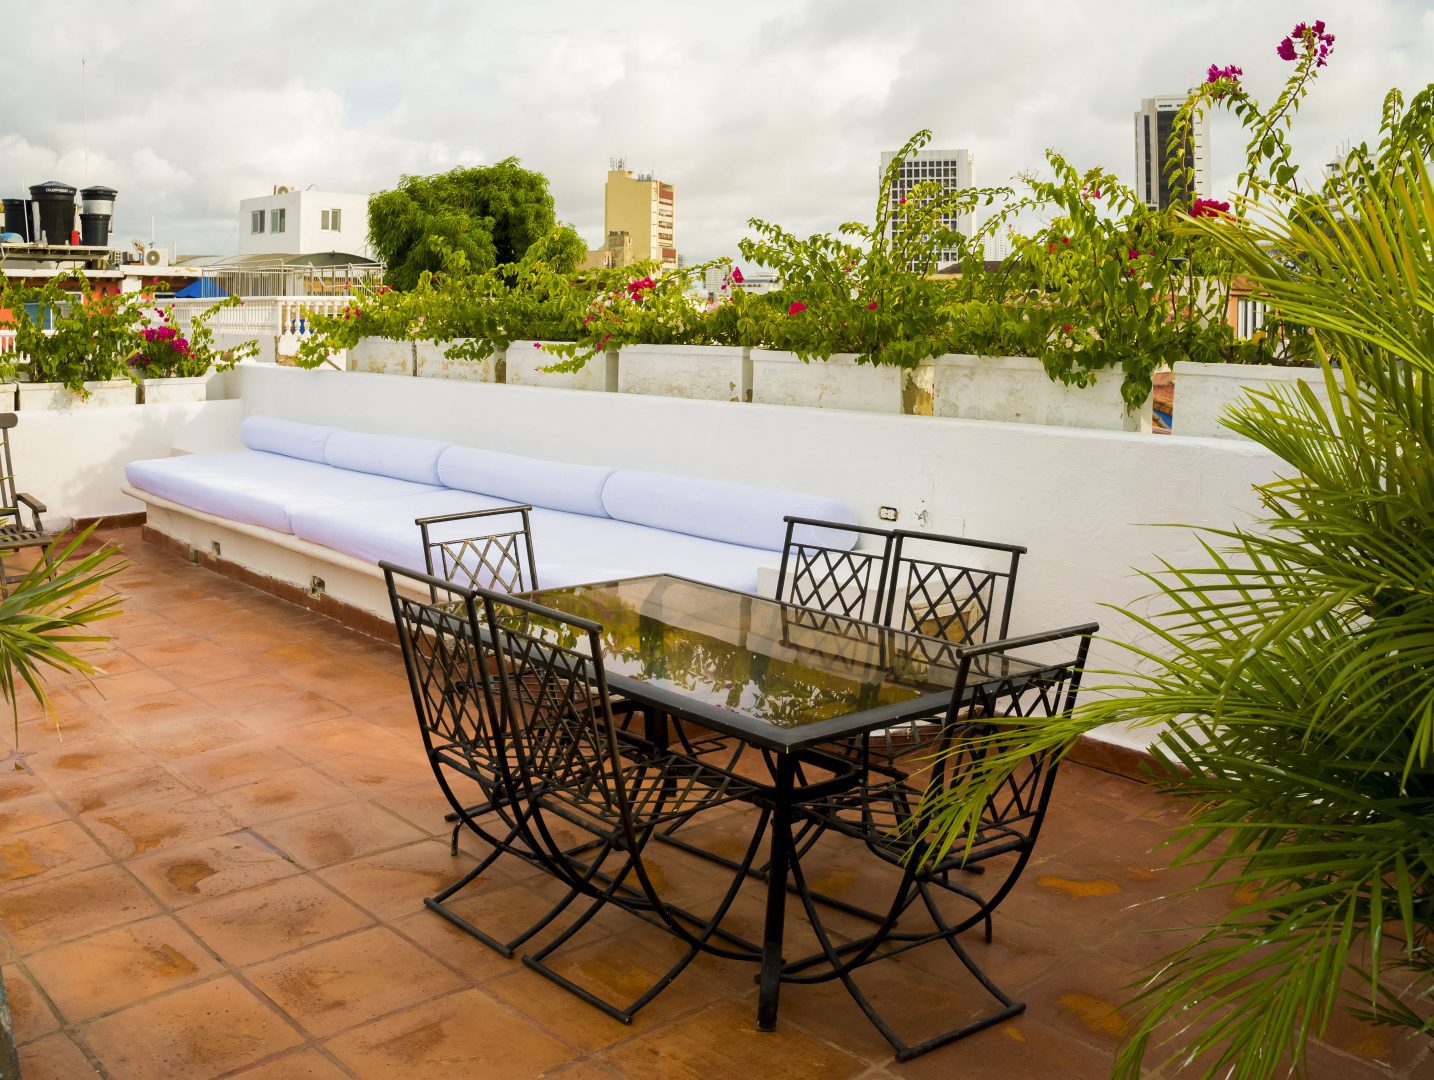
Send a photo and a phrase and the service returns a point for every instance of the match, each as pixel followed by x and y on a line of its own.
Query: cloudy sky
pixel 770 109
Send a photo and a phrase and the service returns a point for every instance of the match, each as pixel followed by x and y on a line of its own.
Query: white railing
pixel 261 316
pixel 8 349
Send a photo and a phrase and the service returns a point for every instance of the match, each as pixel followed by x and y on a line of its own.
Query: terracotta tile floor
pixel 216 867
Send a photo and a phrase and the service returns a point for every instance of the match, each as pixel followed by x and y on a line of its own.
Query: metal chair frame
pixel 501 560
pixel 567 761
pixel 833 579
pixel 892 822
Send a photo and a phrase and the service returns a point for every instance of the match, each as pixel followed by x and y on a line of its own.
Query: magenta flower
pixel 1065 328
pixel 871 306
pixel 537 344
pixel 1133 253
pixel 1312 38
pixel 1285 49
pixel 1209 208
pixel 1226 79
pixel 797 308
pixel 737 275
pixel 902 200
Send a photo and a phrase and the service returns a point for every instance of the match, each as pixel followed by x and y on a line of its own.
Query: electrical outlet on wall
pixel 886 513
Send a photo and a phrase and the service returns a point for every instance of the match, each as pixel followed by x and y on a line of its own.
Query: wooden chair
pixel 20 523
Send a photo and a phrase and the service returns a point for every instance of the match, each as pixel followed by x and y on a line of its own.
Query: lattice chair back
pixel 557 714
pixel 1014 811
pixel 931 593
pixel 817 572
pixel 447 664
pixel 500 559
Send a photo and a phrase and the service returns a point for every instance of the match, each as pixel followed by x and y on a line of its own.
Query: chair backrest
pixel 448 666
pixel 7 469
pixel 834 579
pixel 557 719
pixel 993 681
pixel 935 588
pixel 500 558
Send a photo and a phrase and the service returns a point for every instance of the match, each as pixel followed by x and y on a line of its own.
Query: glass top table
pixel 775 674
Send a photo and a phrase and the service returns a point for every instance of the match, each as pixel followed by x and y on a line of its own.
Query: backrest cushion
pixel 732 513
pixel 397 456
pixel 556 485
pixel 287 437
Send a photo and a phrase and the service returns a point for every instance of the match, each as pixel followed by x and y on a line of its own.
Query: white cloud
pixel 750 109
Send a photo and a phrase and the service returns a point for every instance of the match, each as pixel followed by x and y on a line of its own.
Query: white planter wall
pixel 170 391
pixel 526 359
pixel 382 356
pixel 55 398
pixel 1017 389
pixel 781 378
pixel 710 372
pixel 1203 392
pixel 433 362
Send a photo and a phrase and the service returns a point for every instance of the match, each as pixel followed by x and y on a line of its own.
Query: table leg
pixel 771 978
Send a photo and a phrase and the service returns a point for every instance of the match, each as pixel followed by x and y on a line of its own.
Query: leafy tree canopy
pixel 489 213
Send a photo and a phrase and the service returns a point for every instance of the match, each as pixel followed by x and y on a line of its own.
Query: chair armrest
pixel 33 503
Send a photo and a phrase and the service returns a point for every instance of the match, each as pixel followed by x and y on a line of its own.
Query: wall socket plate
pixel 316 586
pixel 886 513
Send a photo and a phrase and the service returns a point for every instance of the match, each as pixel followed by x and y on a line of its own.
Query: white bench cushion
pixel 569 548
pixel 733 513
pixel 256 487
pixel 386 455
pixel 287 437
pixel 558 485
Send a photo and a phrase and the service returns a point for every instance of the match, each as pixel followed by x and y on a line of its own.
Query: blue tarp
pixel 204 287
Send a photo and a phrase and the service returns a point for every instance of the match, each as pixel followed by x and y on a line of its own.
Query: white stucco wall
pixel 303 219
pixel 1080 499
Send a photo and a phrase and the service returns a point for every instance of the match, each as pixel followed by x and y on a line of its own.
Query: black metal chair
pixel 498 559
pixel 894 822
pixel 570 768
pixel 450 672
pixel 16 533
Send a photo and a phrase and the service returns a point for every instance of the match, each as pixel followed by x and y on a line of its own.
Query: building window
pixel 276 220
pixel 331 221
pixel 256 221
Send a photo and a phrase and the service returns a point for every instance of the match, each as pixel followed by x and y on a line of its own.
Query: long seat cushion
pixel 286 437
pixel 569 549
pixel 556 485
pixel 732 513
pixel 258 487
pixel 386 455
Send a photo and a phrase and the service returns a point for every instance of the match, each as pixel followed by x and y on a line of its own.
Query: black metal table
pixel 774 675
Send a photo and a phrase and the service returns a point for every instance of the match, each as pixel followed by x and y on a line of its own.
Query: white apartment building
pixel 754 282
pixel 1153 121
pixel 292 222
pixel 952 169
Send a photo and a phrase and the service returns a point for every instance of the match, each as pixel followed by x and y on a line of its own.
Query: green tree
pixel 491 214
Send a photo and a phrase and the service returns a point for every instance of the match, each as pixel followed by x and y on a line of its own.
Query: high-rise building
pixel 952 169
pixel 1152 136
pixel 643 208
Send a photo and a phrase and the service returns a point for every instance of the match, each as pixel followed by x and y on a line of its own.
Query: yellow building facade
pixel 643 208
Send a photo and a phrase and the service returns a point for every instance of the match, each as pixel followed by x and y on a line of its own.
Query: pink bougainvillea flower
pixel 797 308
pixel 1285 49
pixel 537 344
pixel 723 288
pixel 871 306
pixel 1209 208
pixel 902 200
pixel 1133 253
pixel 1226 79
pixel 1065 239
pixel 1065 328
pixel 737 275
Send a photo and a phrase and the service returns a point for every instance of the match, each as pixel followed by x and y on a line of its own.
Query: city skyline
pixel 776 115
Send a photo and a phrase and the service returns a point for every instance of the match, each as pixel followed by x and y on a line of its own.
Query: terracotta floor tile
pixel 49 850
pixel 336 984
pixel 119 787
pixel 241 761
pixel 450 1039
pixel 199 1032
pixel 281 794
pixel 250 690
pixel 134 830
pixel 72 906
pixel 279 716
pixel 301 1065
pixel 394 883
pixel 65 762
pixel 119 967
pixel 224 669
pixel 331 738
pixel 192 872
pixel 31 1018
pixel 139 715
pixel 29 812
pixel 724 1041
pixel 55 1058
pixel 188 736
pixel 337 834
pixel 131 685
pixel 375 774
pixel 421 804
pixel 259 923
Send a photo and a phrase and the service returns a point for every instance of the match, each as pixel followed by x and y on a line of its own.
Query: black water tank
pixel 97 205
pixel 56 205
pixel 17 217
